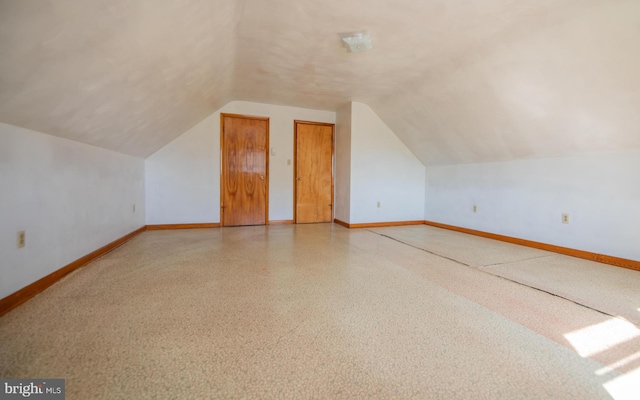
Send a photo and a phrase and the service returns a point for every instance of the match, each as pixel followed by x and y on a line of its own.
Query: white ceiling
pixel 458 81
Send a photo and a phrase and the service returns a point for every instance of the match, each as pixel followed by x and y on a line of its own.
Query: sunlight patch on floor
pixel 625 387
pixel 599 337
pixel 618 364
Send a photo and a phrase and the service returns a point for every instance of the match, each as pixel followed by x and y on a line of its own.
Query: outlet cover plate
pixel 21 239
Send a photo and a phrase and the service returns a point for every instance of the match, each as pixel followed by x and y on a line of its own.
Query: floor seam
pixel 561 297
pixel 420 248
pixel 516 261
pixel 502 277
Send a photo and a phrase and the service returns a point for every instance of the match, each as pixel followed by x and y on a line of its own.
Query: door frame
pixel 295 164
pixel 222 164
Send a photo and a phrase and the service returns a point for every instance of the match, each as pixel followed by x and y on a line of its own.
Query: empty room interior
pixel 408 199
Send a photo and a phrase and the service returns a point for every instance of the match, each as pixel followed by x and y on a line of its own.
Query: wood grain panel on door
pixel 244 181
pixel 313 172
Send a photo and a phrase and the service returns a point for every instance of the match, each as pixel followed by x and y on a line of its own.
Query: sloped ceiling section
pixel 571 88
pixel 458 81
pixel 124 75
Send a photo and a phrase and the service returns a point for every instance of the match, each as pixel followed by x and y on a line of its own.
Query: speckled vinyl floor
pixel 323 312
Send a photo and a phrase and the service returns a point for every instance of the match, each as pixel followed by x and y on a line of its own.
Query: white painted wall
pixel 526 198
pixel 342 184
pixel 183 178
pixel 382 169
pixel 70 198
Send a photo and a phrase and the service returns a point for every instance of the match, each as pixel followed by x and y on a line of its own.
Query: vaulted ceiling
pixel 458 81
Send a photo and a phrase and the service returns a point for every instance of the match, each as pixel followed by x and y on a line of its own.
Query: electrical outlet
pixel 565 218
pixel 378 204
pixel 21 239
pixel 134 208
pixel 475 208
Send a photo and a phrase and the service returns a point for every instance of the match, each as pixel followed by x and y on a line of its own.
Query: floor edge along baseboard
pixel 377 224
pixel 339 222
pixel 15 299
pixel 159 227
pixel 587 255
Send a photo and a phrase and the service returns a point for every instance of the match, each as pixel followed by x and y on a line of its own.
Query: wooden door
pixel 244 182
pixel 313 172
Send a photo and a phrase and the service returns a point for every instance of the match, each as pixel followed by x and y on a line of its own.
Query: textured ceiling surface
pixel 458 81
pixel 124 75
